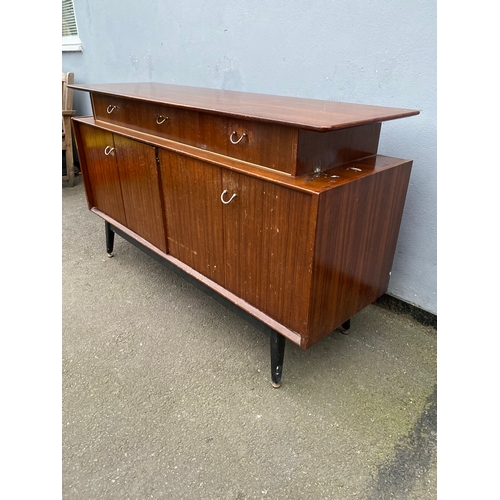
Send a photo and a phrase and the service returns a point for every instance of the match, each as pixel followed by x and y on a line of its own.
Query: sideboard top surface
pixel 313 114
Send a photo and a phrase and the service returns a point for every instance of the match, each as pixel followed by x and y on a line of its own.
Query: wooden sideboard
pixel 279 206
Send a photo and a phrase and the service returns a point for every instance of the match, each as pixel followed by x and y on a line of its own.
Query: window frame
pixel 72 43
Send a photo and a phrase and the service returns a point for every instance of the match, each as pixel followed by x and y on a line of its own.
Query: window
pixel 70 39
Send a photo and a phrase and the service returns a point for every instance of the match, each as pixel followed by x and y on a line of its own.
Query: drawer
pixel 270 145
pixel 111 109
pixel 266 144
pixel 168 122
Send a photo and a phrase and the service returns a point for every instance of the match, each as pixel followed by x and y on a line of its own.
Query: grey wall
pixel 380 52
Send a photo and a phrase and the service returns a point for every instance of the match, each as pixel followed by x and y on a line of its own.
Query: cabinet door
pixel 139 180
pixel 193 210
pixel 268 247
pixel 99 161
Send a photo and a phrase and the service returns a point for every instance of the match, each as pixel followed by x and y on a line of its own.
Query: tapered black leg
pixel 110 238
pixel 345 327
pixel 277 355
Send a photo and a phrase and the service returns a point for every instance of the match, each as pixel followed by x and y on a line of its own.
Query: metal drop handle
pixel 234 133
pixel 230 199
pixel 161 119
pixel 110 109
pixel 108 150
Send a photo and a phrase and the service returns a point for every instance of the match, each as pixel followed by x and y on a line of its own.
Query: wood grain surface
pixel 311 114
pixel 268 247
pixel 100 171
pixel 193 213
pixel 141 189
pixel 297 223
pixel 358 226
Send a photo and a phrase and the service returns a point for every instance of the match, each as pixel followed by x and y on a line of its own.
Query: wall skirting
pixel 401 307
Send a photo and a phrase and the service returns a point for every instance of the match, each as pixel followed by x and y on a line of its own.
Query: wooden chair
pixel 67 138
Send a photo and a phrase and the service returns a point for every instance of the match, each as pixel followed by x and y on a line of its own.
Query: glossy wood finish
pixel 302 113
pixel 100 171
pixel 259 246
pixel 309 260
pixel 113 109
pixel 268 247
pixel 270 145
pixel 296 151
pixel 325 150
pixel 172 123
pixel 286 149
pixel 305 232
pixel 123 184
pixel 201 279
pixel 308 183
pixel 358 225
pixel 141 189
pixel 193 212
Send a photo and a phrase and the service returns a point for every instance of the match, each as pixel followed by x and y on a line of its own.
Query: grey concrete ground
pixel 167 394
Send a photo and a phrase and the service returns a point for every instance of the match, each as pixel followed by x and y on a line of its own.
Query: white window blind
pixel 70 39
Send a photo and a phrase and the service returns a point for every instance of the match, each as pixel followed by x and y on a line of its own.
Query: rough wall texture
pixel 369 51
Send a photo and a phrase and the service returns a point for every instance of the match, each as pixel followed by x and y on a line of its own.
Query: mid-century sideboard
pixel 280 207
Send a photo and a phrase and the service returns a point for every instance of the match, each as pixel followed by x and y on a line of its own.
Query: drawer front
pixel 111 109
pixel 168 122
pixel 266 144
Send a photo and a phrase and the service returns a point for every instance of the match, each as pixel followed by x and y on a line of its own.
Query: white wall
pixel 371 51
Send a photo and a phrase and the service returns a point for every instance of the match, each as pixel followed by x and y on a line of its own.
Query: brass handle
pixel 234 133
pixel 230 199
pixel 110 109
pixel 161 119
pixel 108 150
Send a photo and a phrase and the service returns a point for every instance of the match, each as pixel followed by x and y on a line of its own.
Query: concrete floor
pixel 167 394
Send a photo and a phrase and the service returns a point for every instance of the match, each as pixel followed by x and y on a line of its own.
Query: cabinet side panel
pixel 193 213
pixel 79 131
pixel 268 232
pixel 358 227
pixel 141 191
pixel 324 150
pixel 100 172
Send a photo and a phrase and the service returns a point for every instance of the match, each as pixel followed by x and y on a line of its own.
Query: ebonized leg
pixel 345 327
pixel 110 238
pixel 277 355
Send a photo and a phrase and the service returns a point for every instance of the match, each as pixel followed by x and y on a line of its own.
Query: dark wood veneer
pixel 281 206
pixel 100 171
pixel 140 188
pixel 270 145
pixel 268 247
pixel 325 150
pixel 299 112
pixel 194 213
pixel 356 240
pixel 307 182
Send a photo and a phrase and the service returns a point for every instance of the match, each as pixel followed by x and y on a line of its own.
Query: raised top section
pixel 304 113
